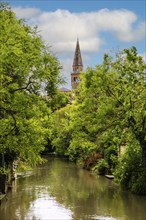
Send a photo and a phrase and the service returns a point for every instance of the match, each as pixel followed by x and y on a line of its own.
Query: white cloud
pixel 26 13
pixel 61 28
pixel 121 23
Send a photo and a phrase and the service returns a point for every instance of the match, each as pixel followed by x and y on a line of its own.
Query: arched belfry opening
pixel 77 66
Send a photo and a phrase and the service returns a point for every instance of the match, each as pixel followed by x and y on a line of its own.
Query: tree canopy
pixel 27 70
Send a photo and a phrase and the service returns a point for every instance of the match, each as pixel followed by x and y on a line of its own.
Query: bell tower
pixel 77 67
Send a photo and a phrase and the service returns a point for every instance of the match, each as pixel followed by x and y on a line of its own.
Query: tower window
pixel 76 79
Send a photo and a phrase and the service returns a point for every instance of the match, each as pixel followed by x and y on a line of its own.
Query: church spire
pixel 77 63
pixel 77 66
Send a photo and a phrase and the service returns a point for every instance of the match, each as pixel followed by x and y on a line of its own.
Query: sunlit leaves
pixel 25 64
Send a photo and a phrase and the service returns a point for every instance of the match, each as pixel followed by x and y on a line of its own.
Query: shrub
pixel 101 167
pixel 92 160
pixel 130 172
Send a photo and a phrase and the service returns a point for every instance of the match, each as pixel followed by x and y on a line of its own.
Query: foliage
pixel 59 100
pixel 92 160
pixel 129 171
pixel 26 66
pixel 59 132
pixel 4 171
pixel 101 167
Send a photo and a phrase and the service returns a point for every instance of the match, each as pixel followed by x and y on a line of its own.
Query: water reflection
pixel 50 209
pixel 60 190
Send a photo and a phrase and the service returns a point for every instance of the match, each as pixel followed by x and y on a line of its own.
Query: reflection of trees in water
pixel 87 194
pixel 80 190
pixel 84 193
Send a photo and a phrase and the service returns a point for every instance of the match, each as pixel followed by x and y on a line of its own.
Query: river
pixel 60 190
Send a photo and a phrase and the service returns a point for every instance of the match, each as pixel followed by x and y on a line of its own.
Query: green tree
pixel 116 91
pixel 131 99
pixel 27 69
pixel 59 132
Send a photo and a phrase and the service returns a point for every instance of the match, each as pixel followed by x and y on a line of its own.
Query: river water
pixel 60 190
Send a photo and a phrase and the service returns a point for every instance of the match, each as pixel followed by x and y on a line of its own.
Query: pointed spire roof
pixel 77 56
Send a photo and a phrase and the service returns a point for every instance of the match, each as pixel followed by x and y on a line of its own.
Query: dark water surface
pixel 60 190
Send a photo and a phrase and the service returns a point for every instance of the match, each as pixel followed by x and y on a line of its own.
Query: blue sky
pixel 102 26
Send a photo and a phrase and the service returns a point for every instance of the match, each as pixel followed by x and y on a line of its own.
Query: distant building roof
pixel 64 90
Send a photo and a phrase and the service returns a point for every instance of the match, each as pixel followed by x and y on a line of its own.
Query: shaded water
pixel 60 190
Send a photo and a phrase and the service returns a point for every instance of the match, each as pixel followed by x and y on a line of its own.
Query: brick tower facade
pixel 77 67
